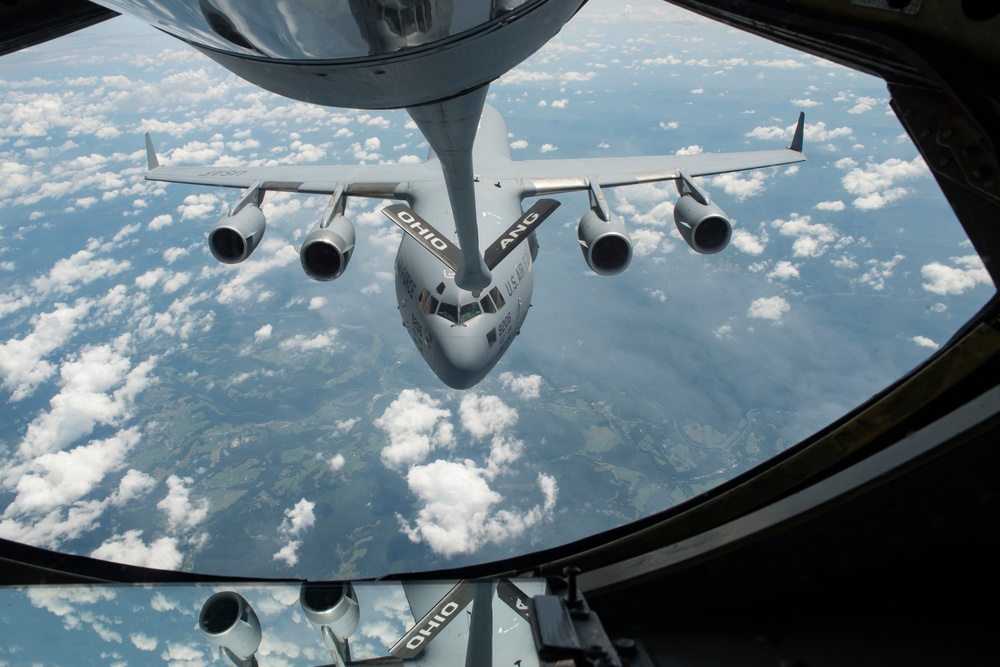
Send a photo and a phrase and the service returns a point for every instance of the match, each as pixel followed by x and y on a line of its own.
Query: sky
pixel 164 410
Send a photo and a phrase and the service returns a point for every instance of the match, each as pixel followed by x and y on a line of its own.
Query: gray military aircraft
pixel 463 328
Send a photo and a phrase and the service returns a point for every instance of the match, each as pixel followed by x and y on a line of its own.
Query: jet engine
pixel 228 621
pixel 703 226
pixel 606 246
pixel 233 238
pixel 333 610
pixel 328 248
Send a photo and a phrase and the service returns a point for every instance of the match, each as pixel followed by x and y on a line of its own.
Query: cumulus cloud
pixel 245 284
pixel 182 514
pixel 783 270
pixel 879 271
pixel 301 343
pixel 82 268
pixel 924 341
pixel 811 239
pixel 876 184
pixel 747 242
pixel 458 511
pixel 263 333
pixel 967 272
pixel 768 308
pixel 526 387
pixel 129 548
pixel 298 520
pixel 485 415
pixel 415 425
pixel 22 360
pixel 741 185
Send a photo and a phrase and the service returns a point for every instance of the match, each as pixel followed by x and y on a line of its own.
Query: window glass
pixel 487 304
pixel 448 311
pixel 469 311
pixel 497 297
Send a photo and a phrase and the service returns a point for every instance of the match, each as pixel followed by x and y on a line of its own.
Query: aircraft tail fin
pixel 799 131
pixel 519 231
pixel 151 161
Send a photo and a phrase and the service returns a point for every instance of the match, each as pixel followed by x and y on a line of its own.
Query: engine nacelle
pixel 333 610
pixel 703 226
pixel 233 238
pixel 606 246
pixel 327 250
pixel 228 622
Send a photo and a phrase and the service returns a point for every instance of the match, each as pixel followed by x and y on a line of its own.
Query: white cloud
pixel 22 361
pixel 337 463
pixel 263 333
pixel 742 185
pixel 547 148
pixel 924 341
pixel 129 548
pixel 82 268
pixel 880 271
pixel 831 206
pixel 526 387
pixel 160 221
pixel 458 512
pixel 875 185
pixel 768 308
pixel 322 341
pixel 485 415
pixel 134 484
pixel 811 239
pixel 747 242
pixel 181 513
pixel 143 642
pixel 317 302
pixel 723 332
pixel 783 270
pixel 245 284
pixel 298 520
pixel 415 425
pixel 943 279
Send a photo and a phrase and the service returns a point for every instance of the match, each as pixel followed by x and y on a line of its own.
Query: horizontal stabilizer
pixel 424 234
pixel 519 231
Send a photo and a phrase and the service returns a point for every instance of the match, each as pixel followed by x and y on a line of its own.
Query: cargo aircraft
pixel 464 281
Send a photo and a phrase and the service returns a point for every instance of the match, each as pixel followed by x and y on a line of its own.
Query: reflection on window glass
pixel 469 311
pixel 491 337
pixel 497 297
pixel 449 312
pixel 487 304
pixel 431 305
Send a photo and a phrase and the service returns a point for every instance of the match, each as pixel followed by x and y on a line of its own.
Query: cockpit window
pixel 497 297
pixel 422 298
pixel 430 305
pixel 469 311
pixel 449 312
pixel 487 304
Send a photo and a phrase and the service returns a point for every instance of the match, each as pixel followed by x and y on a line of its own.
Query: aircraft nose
pixel 464 361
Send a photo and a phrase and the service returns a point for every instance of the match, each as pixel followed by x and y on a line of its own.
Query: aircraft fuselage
pixel 463 334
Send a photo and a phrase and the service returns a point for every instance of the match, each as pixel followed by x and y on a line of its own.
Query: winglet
pixel 799 130
pixel 151 161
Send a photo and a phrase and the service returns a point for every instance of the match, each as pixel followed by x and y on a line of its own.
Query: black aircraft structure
pixel 868 543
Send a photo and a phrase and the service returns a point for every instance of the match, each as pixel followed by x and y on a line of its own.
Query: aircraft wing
pixel 380 180
pixel 545 177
